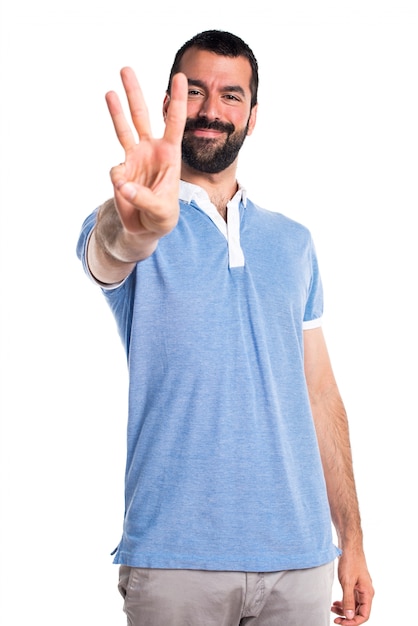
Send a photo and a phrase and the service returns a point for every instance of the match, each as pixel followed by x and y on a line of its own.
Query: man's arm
pixel 113 251
pixel 145 204
pixel 334 443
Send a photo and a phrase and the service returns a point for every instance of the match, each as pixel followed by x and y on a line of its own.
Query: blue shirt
pixel 223 469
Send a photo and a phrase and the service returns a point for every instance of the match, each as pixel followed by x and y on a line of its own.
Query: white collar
pixel 231 229
pixel 189 192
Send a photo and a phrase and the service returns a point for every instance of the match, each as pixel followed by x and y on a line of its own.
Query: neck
pixel 220 187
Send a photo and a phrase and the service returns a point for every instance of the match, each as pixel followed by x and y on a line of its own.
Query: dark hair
pixel 222 43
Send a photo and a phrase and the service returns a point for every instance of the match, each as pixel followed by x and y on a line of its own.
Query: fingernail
pixel 129 190
pixel 349 614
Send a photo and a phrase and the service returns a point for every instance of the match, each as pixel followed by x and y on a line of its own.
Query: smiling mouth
pixel 211 130
pixel 207 133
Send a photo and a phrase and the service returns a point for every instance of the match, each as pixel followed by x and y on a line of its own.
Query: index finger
pixel 136 101
pixel 177 109
pixel 122 128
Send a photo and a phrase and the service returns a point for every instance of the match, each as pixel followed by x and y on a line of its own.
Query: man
pixel 238 445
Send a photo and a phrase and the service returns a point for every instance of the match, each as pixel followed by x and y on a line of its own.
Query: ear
pixel 252 120
pixel 165 105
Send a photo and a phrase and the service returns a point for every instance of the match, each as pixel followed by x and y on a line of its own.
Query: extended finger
pixel 177 109
pixel 136 101
pixel 123 130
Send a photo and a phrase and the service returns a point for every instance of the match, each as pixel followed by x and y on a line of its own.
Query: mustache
pixel 204 123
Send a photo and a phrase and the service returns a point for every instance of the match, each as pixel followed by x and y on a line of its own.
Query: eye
pixel 231 97
pixel 194 92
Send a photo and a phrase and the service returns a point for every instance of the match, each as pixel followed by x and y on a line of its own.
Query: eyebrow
pixel 230 88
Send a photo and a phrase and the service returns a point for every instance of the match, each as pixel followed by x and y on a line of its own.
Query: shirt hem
pixel 270 564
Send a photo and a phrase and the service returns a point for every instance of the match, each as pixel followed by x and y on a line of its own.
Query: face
pixel 219 114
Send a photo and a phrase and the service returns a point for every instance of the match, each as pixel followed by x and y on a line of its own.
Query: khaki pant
pixel 158 597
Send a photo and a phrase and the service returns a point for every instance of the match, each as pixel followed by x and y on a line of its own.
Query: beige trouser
pixel 159 597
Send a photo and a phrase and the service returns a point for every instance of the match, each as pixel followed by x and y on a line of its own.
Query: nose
pixel 210 108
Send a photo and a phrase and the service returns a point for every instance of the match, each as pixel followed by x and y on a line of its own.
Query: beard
pixel 211 155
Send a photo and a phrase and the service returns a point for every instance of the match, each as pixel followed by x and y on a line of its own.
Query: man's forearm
pixel 334 442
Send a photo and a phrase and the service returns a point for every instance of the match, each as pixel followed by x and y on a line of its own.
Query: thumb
pixel 349 605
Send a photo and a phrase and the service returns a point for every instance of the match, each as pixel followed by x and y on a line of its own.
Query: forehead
pixel 216 69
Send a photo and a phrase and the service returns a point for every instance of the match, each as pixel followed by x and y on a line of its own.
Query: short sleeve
pixel 315 302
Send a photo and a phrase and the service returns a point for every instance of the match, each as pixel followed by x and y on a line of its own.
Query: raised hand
pixel 147 183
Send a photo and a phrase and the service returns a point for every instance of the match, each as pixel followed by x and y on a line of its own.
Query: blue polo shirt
pixel 223 470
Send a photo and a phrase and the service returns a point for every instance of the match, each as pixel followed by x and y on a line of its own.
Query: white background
pixel 335 147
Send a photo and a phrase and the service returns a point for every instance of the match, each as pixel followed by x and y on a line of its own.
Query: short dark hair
pixel 222 43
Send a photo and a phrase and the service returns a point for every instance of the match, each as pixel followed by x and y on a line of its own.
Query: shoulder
pixel 277 223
